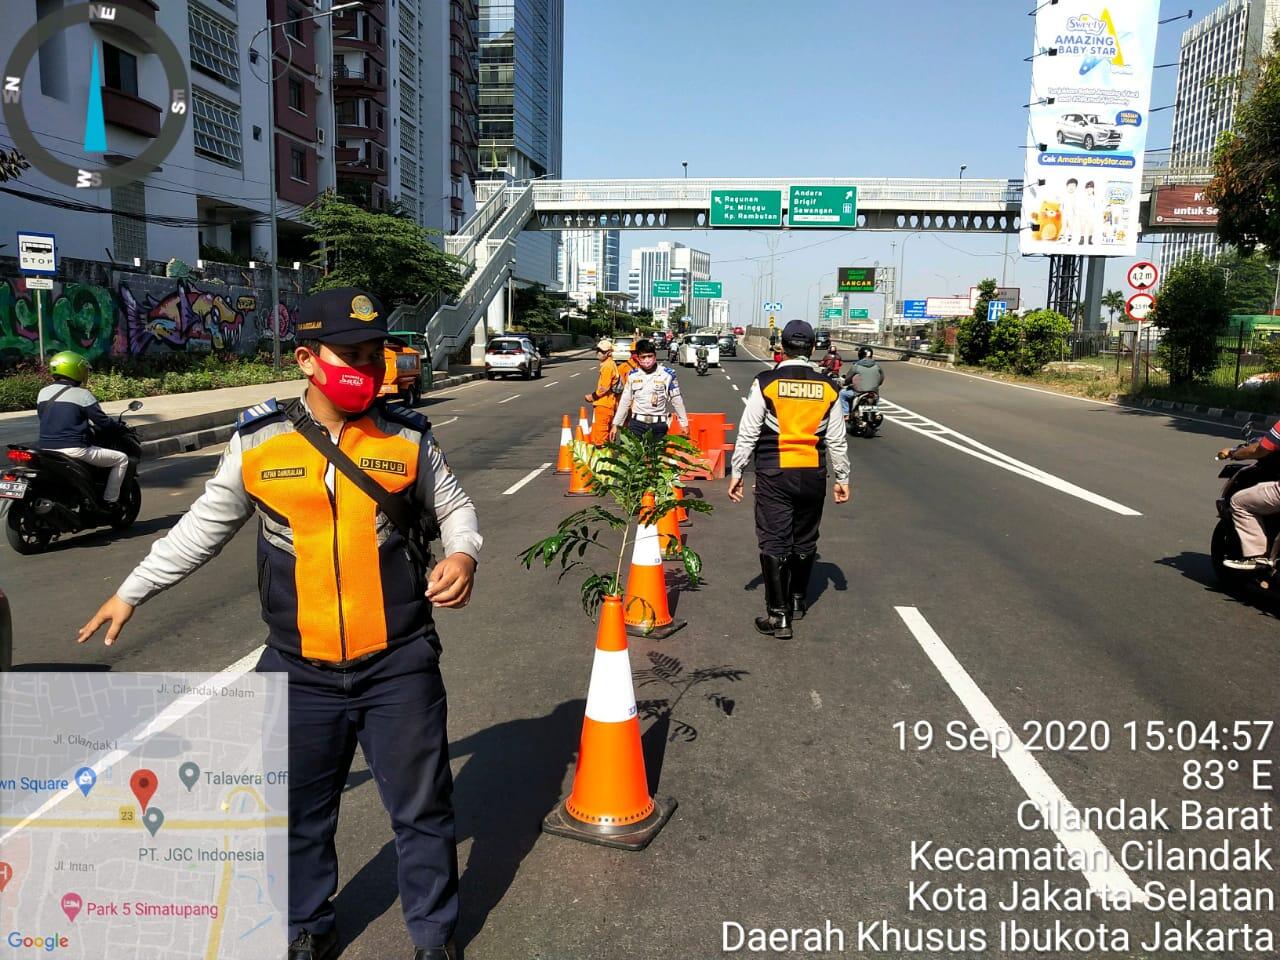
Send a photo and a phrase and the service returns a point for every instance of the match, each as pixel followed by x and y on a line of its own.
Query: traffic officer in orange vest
pixel 347 593
pixel 792 400
pixel 604 399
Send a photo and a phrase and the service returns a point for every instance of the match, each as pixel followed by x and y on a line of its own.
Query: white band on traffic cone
pixel 648 549
pixel 611 698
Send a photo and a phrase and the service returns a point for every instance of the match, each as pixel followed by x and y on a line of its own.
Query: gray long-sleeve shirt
pixel 218 513
pixel 756 415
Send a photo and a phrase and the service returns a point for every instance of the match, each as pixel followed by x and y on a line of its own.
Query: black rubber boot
pixel 777 620
pixel 801 570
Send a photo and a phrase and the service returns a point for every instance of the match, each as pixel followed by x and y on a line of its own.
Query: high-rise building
pixel 589 261
pixel 1224 45
pixel 669 261
pixel 520 95
pixel 361 93
pixel 218 173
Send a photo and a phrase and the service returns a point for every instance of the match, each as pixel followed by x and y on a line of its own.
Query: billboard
pixel 1183 203
pixel 1090 94
pixel 947 307
pixel 1010 295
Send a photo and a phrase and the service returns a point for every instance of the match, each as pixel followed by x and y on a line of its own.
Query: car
pixel 739 331
pixel 504 356
pixel 622 347
pixel 688 355
pixel 822 340
pixel 728 345
pixel 1088 130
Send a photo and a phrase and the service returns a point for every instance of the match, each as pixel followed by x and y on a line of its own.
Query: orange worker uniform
pixel 604 401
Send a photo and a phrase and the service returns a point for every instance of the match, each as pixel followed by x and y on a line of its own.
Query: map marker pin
pixel 71 904
pixel 153 819
pixel 85 779
pixel 143 784
pixel 189 773
pixel 6 874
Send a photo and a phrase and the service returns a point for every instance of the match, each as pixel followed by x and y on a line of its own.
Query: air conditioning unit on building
pixel 319 72
pixel 319 134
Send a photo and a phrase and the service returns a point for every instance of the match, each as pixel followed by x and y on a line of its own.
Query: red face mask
pixel 350 389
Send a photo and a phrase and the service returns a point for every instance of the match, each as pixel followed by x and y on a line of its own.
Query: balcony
pixel 360 161
pixel 363 79
pixel 145 8
pixel 131 113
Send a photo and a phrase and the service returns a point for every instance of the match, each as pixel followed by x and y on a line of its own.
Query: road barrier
pixel 708 431
pixel 647 612
pixel 610 803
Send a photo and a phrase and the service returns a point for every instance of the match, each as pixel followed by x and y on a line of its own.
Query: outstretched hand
pixel 115 612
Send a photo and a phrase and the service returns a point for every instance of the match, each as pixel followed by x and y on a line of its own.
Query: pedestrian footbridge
pixel 487 241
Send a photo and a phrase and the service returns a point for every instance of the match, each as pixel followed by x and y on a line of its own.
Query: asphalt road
pixel 1057 548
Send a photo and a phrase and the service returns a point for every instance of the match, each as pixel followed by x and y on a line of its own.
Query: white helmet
pixel 605 346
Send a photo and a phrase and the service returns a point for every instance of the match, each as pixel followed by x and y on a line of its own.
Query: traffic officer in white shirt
pixel 651 395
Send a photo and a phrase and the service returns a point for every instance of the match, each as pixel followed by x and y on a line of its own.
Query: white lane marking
pixel 578 374
pixel 445 423
pixel 945 435
pixel 743 399
pixel 550 383
pixel 815 699
pixel 515 487
pixel 1104 874
pixel 734 385
pixel 509 399
pixel 162 721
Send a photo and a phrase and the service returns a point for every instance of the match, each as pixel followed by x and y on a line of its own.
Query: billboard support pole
pixel 1093 282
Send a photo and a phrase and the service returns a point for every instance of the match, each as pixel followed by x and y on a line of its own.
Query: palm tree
pixel 1113 300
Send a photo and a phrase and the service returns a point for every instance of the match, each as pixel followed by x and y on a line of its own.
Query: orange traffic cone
pixel 564 463
pixel 682 515
pixel 583 423
pixel 669 535
pixel 610 802
pixel 580 478
pixel 647 613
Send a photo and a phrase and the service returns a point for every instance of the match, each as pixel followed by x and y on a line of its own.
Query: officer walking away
pixel 68 412
pixel 650 396
pixel 795 401
pixel 349 494
pixel 604 399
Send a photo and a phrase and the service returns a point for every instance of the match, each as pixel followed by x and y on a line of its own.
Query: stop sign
pixel 1143 275
pixel 1139 306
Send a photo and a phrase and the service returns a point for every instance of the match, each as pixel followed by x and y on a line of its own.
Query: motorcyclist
pixel 702 355
pixel 865 375
pixel 1251 503
pixel 69 412
pixel 832 362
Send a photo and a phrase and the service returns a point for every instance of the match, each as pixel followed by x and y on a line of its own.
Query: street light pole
pixel 963 168
pixel 271 155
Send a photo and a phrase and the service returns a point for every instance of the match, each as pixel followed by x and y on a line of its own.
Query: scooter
pixel 702 365
pixel 865 417
pixel 45 494
pixel 1225 543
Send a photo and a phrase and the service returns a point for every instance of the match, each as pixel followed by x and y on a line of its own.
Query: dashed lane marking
pixel 1103 873
pixel 965 444
pixel 578 374
pixel 550 383
pixel 445 423
pixel 515 487
pixel 509 399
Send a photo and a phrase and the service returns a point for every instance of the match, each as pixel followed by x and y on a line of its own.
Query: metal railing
pixel 697 193
pixel 492 202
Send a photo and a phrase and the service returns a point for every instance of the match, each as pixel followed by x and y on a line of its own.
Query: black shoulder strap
pixel 65 388
pixel 395 508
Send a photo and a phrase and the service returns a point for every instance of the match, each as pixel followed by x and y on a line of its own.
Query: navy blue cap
pixel 798 330
pixel 342 315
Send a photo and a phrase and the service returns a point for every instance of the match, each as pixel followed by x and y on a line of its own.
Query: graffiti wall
pixel 137 316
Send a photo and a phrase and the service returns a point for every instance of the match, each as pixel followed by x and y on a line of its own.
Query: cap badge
pixel 362 309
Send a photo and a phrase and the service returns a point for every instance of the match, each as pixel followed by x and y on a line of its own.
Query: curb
pixel 1220 414
pixel 197 439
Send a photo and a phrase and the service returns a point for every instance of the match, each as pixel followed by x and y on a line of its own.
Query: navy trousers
pixel 394 706
pixel 640 428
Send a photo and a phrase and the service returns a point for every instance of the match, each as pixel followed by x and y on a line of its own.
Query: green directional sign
pixel 746 208
pixel 669 289
pixel 857 313
pixel 822 207
pixel 832 313
pixel 708 289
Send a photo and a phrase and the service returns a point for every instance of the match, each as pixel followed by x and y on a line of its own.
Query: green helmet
pixel 71 365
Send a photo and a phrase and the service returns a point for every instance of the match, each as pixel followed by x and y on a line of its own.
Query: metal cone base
pixel 656 633
pixel 632 836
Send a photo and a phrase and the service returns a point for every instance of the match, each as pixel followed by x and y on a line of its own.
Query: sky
pixel 813 88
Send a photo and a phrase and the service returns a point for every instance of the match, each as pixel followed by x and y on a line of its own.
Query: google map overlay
pixel 143 815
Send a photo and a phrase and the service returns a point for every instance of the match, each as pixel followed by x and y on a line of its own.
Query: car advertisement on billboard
pixel 1090 96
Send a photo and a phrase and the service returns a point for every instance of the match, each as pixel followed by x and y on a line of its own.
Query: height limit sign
pixel 1143 275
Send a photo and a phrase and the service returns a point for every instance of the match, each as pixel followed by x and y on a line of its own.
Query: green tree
pixel 537 311
pixel 1044 337
pixel 973 339
pixel 1246 164
pixel 1113 302
pixel 1004 346
pixel 392 257
pixel 1251 281
pixel 1192 309
pixel 676 319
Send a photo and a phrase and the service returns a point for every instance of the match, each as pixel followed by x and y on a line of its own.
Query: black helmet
pixel 864 352
pixel 798 338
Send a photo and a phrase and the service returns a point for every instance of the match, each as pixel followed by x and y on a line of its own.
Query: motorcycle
pixel 865 417
pixel 45 494
pixel 702 365
pixel 1225 542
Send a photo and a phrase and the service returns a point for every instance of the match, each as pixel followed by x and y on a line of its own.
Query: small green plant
pixel 623 470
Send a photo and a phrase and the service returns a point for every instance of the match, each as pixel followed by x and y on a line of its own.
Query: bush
pixel 973 340
pixel 1005 344
pixel 1271 355
pixel 1044 338
pixel 18 390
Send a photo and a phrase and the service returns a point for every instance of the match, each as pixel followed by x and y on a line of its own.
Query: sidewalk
pixel 188 421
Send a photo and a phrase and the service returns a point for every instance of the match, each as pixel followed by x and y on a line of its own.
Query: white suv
pixel 508 355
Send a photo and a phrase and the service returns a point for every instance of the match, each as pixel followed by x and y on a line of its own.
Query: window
pixel 213 45
pixel 216 124
pixel 294 30
pixel 120 69
pixel 382 160
pixel 298 163
pixel 381 120
pixel 297 99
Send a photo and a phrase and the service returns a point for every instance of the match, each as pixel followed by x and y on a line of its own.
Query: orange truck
pixel 403 379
